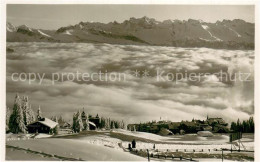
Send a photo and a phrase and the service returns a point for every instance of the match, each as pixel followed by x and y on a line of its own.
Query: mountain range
pixel 227 34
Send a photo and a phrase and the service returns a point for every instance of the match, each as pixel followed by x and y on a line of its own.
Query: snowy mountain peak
pixel 25 27
pixel 10 27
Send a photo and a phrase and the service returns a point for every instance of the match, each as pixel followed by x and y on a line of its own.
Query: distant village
pixel 23 120
pixel 216 125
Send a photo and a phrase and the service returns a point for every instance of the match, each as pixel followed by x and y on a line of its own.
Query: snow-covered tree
pixel 102 122
pixel 27 111
pixel 39 113
pixel 55 118
pixel 16 122
pixel 113 125
pixel 74 123
pixel 107 123
pixel 124 125
pixel 77 124
pixel 121 124
pixel 86 124
pixel 8 114
pixel 60 120
pixel 32 114
pixel 79 121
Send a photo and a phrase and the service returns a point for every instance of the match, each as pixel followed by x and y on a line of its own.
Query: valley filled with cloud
pixel 138 97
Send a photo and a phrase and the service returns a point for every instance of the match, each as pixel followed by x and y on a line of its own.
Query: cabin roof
pixel 47 122
pixel 91 123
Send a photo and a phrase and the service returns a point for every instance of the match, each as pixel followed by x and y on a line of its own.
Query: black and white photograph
pixel 129 82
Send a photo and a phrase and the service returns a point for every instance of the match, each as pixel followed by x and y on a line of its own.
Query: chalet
pixel 94 122
pixel 43 125
pixel 65 125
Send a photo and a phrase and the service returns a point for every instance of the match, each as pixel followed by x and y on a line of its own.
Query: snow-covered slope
pixel 76 149
pixel 42 33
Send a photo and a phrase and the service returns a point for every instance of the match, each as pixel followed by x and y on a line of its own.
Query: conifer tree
pixel 113 125
pixel 27 111
pixel 16 122
pixel 77 125
pixel 39 113
pixel 60 120
pixel 107 124
pixel 102 123
pixel 74 123
pixel 8 114
pixel 86 124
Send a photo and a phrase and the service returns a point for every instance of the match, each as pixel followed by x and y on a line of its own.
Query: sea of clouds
pixel 138 98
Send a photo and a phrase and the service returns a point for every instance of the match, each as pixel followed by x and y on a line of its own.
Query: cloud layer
pixel 137 98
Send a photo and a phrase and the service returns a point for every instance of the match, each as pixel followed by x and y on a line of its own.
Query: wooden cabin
pixel 44 125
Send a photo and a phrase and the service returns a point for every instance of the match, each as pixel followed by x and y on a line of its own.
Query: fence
pixel 167 155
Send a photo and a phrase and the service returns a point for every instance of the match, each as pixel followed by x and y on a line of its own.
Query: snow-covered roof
pixel 165 132
pixel 47 122
pixel 205 133
pixel 91 123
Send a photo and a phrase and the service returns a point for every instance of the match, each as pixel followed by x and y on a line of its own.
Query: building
pixel 212 121
pixel 217 125
pixel 92 126
pixel 65 125
pixel 43 125
pixel 94 122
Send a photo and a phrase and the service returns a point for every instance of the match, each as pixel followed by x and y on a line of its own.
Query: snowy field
pixel 145 140
pixel 75 149
pixel 107 145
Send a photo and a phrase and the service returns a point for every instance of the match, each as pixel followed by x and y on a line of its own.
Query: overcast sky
pixel 55 16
